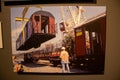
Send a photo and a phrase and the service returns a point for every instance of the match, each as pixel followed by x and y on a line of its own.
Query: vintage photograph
pixel 58 39
pixel 1 43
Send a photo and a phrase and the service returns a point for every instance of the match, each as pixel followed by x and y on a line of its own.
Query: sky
pixel 89 12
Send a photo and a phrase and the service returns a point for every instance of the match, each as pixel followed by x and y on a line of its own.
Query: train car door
pixel 44 24
pixel 36 20
pixel 51 25
pixel 94 37
pixel 80 48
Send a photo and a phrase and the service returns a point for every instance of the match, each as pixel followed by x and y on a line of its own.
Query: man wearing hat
pixel 19 67
pixel 64 59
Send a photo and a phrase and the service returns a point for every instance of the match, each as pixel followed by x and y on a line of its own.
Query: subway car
pixel 90 39
pixel 39 28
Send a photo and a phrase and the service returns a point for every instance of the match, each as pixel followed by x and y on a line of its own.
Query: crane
pixel 76 17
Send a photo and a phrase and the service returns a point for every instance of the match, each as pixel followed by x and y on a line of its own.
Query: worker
pixel 19 67
pixel 64 60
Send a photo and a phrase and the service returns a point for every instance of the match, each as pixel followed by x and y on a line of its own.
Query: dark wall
pixel 112 64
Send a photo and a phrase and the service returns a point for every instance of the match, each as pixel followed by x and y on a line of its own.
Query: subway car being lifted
pixel 39 28
pixel 90 39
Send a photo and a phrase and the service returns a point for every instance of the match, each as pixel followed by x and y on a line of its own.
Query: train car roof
pixel 44 13
pixel 91 19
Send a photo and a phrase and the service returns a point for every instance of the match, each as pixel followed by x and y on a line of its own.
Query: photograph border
pixel 0 6
pixel 1 35
pixel 26 2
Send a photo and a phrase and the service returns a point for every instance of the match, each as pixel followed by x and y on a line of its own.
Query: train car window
pixel 44 23
pixel 46 29
pixel 97 38
pixel 36 18
pixel 93 34
pixel 78 30
pixel 42 31
pixel 62 27
pixel 87 38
